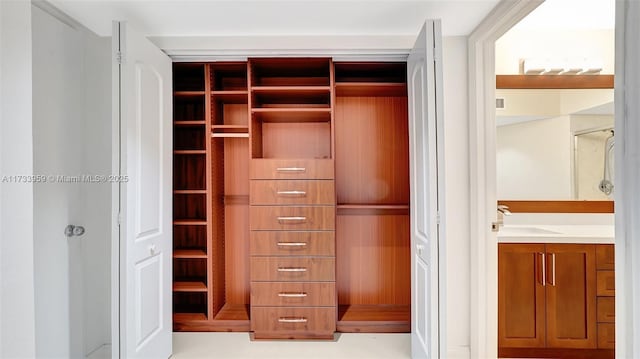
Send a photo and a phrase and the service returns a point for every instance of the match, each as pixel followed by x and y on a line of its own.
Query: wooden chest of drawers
pixel 292 249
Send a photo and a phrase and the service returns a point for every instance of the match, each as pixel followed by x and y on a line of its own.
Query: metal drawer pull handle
pixel 292 269
pixel 292 193
pixel 284 220
pixel 292 295
pixel 553 268
pixel 291 169
pixel 292 320
pixel 292 244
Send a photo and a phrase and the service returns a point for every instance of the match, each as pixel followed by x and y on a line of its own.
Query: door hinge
pixel 119 218
pixel 119 57
pixel 438 218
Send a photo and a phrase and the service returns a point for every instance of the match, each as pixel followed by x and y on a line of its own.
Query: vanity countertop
pixel 604 234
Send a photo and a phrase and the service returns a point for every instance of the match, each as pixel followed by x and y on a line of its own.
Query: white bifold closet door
pixel 142 107
pixel 425 107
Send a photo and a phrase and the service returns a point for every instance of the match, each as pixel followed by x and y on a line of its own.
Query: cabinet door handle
pixel 553 269
pixel 292 269
pixel 292 295
pixel 292 320
pixel 292 220
pixel 291 169
pixel 292 244
pixel 291 193
pixel 543 261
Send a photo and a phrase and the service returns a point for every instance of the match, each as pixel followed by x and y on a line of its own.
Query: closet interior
pixel 291 197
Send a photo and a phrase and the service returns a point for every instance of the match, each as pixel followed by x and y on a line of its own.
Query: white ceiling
pixel 571 14
pixel 267 17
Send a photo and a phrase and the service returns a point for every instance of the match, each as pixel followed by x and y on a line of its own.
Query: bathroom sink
pixel 524 231
pixel 527 233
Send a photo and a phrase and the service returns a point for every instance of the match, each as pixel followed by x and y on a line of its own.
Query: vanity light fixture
pixel 577 66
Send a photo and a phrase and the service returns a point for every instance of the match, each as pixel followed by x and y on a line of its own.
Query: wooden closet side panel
pixel 372 259
pixel 236 204
pixel 372 150
pixel 217 226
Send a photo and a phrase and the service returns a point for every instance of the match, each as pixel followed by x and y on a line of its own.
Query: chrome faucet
pixel 502 211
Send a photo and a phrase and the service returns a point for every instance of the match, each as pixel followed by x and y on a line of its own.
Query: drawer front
pixel 606 336
pixel 291 269
pixel 606 283
pixel 606 309
pixel 293 294
pixel 287 192
pixel 605 257
pixel 285 322
pixel 292 243
pixel 291 169
pixel 292 218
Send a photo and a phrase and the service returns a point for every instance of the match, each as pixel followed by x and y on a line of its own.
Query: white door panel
pixel 144 106
pixel 423 95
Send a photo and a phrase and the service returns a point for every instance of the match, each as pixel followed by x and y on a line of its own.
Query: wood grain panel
pixel 556 353
pixel 236 166
pixel 292 218
pixel 605 257
pixel 296 140
pixel 230 114
pixel 372 257
pixel 571 297
pixel 372 150
pixel 189 237
pixel 293 294
pixel 606 309
pixel 292 269
pixel 236 248
pixel 189 206
pixel 292 243
pixel 216 227
pixel 286 192
pixel 291 169
pixel 318 322
pixel 606 283
pixel 554 82
pixel 558 206
pixel 189 172
pixel 606 335
pixel 374 318
pixel 521 296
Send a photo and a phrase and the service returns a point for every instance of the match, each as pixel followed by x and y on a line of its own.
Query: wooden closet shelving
pixel 210 117
pixel 372 188
pixel 285 164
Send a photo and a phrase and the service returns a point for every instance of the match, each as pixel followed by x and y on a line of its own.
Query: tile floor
pixel 238 345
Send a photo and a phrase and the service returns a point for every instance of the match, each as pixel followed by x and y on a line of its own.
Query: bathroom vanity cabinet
pixel 554 299
pixel 291 197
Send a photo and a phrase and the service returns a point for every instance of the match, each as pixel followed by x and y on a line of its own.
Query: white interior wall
pixel 96 204
pixel 550 103
pixel 58 145
pixel 518 44
pixel 72 126
pixel 457 195
pixel 534 160
pixel 16 204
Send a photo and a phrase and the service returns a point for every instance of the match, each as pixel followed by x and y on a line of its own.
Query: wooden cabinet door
pixel 571 296
pixel 521 296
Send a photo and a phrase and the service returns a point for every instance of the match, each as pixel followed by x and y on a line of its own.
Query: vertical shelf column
pixel 190 210
pixel 292 199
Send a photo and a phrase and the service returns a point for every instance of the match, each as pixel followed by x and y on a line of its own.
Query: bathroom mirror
pixel 555 145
